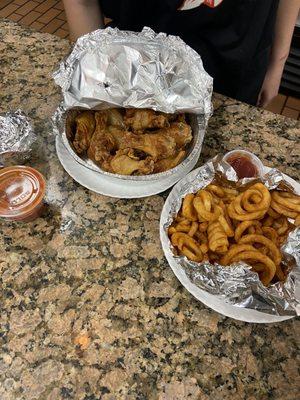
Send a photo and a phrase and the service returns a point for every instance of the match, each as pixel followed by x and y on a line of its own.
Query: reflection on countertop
pixel 89 306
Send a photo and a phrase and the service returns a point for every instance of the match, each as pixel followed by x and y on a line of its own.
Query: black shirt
pixel 233 38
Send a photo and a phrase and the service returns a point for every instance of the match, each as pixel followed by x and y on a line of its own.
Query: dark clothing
pixel 233 39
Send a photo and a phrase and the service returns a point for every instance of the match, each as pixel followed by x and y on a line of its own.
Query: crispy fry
pixel 188 210
pixel 256 200
pixel 201 237
pixel 205 208
pixel 216 190
pixel 234 251
pixel 283 210
pixel 222 225
pixel 226 225
pixel 203 226
pixel 287 200
pixel 275 254
pixel 242 227
pixel 270 233
pixel 217 238
pixel 193 229
pixel 187 246
pixel 282 226
pixel 270 269
pixel 273 213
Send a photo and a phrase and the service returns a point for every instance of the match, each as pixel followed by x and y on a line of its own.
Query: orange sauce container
pixel 22 191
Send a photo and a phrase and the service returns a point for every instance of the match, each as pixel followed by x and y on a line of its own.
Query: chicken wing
pixel 128 144
pixel 85 126
pixel 125 163
pixel 157 145
pixel 168 163
pixel 181 132
pixel 139 119
pixel 101 143
pixel 71 123
pixel 115 118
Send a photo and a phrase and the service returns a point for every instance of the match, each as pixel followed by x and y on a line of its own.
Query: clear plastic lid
pixel 22 190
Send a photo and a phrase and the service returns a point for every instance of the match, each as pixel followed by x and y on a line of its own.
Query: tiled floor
pixel 288 106
pixel 49 16
pixel 45 16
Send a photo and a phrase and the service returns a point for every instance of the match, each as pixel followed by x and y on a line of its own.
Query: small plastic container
pixel 22 191
pixel 245 163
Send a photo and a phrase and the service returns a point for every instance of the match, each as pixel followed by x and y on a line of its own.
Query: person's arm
pixel 83 16
pixel 284 27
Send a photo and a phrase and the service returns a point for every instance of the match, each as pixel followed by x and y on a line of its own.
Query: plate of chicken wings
pixel 133 144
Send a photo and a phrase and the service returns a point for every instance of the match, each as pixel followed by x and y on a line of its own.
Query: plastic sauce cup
pixel 245 164
pixel 22 191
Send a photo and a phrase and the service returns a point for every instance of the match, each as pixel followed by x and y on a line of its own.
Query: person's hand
pixel 271 84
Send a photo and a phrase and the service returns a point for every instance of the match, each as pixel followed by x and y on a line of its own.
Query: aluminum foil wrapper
pixel 112 68
pixel 237 284
pixel 16 138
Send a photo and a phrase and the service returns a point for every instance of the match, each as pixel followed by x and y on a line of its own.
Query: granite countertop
pixel 89 306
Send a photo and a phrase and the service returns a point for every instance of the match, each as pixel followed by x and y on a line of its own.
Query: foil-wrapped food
pixel 16 138
pixel 125 97
pixel 129 141
pixel 110 68
pixel 217 223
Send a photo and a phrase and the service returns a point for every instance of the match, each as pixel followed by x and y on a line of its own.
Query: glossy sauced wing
pixel 85 126
pixel 139 119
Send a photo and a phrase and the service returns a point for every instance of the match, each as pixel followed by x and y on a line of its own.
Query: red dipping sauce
pixel 245 164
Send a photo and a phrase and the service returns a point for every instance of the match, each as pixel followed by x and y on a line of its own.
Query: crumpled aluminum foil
pixel 112 68
pixel 237 284
pixel 16 138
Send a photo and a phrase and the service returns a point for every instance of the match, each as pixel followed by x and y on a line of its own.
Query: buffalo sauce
pixel 243 165
pixel 22 191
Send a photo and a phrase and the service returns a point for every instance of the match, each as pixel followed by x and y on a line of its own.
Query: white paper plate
pixel 108 186
pixel 208 299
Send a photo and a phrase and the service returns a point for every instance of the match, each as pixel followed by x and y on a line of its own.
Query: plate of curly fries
pixel 225 225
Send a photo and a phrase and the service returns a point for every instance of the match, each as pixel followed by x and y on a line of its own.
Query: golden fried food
pixel 228 226
pixel 125 163
pixel 217 238
pixel 85 126
pixel 102 143
pixel 181 132
pixel 243 227
pixel 188 210
pixel 145 141
pixel 251 204
pixel 139 120
pixel 205 207
pixel 273 251
pixel 158 146
pixel 284 203
pixel 170 162
pixel 187 245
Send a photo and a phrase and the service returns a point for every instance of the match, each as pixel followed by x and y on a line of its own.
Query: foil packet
pixel 113 68
pixel 237 284
pixel 16 138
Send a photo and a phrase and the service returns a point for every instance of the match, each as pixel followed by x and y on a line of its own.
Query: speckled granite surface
pixel 89 307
